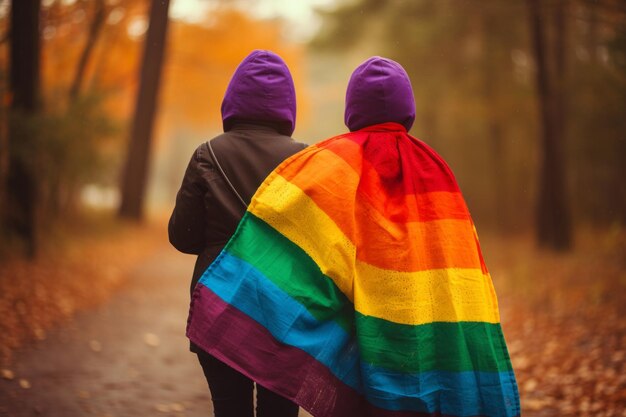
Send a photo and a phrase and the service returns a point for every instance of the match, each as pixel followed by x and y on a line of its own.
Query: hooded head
pixel 261 91
pixel 379 91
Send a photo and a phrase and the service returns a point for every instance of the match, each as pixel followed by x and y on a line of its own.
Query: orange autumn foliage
pixel 201 59
pixel 112 67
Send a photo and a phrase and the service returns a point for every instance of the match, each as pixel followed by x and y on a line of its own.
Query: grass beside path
pixel 78 267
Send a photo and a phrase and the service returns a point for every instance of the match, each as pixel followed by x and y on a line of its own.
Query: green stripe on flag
pixel 446 346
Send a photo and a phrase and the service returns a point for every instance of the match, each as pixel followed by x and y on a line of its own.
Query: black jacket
pixel 207 211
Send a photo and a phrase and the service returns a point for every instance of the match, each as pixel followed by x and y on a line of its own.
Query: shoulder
pixel 298 145
pixel 346 141
pixel 218 144
pixel 202 162
pixel 292 145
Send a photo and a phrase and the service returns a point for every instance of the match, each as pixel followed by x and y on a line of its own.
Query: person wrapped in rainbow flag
pixel 354 284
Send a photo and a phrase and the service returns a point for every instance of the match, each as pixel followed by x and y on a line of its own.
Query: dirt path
pixel 127 358
pixel 563 317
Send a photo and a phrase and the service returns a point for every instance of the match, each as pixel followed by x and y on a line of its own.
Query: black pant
pixel 231 393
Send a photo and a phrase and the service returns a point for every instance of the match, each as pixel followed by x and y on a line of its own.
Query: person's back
pixel 207 209
pixel 258 113
pixel 256 138
pixel 360 283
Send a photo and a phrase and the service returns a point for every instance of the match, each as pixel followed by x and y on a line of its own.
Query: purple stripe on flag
pixel 237 340
pixel 234 338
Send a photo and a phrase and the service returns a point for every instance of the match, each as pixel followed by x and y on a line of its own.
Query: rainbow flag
pixel 355 286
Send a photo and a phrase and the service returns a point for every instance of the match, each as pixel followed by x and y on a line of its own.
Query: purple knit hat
pixel 379 91
pixel 261 91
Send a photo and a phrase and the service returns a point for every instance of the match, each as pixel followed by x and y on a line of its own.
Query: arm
pixel 187 224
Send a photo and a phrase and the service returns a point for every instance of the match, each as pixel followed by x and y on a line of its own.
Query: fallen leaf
pixel 521 362
pixel 534 404
pixel 40 334
pixel 7 374
pixel 530 385
pixel 162 408
pixel 177 407
pixel 84 394
pixel 151 339
pixel 95 346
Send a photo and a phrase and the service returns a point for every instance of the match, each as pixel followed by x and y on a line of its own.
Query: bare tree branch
pixel 94 31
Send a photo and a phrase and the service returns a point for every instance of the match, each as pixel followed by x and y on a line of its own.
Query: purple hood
pixel 261 91
pixel 379 91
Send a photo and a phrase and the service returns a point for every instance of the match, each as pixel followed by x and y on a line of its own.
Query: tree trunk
pixel 553 227
pixel 135 173
pixel 4 149
pixel 563 232
pixel 21 187
pixel 92 37
pixel 494 129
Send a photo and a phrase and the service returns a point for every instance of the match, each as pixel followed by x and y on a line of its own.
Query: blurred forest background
pixel 103 102
pixel 524 98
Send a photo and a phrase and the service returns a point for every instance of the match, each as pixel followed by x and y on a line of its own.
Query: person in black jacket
pixel 258 113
